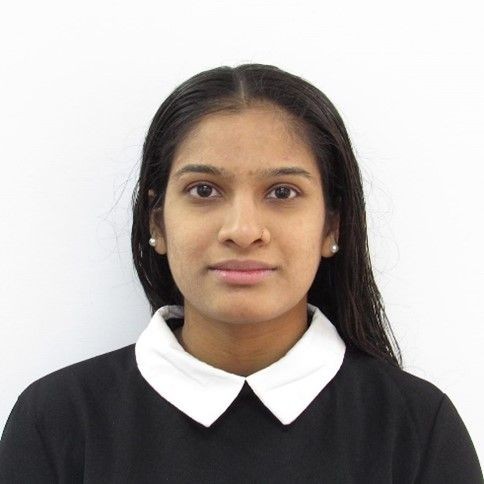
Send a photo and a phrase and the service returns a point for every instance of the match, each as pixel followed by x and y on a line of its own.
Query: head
pixel 247 121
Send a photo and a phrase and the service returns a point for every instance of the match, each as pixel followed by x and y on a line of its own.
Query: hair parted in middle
pixel 344 287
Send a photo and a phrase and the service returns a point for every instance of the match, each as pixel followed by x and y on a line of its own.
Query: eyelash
pixel 191 187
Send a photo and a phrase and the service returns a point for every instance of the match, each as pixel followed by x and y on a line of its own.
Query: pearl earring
pixel 334 248
pixel 152 242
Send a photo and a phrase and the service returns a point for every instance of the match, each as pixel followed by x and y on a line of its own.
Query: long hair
pixel 344 287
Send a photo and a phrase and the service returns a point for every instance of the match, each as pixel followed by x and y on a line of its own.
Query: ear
pixel 155 230
pixel 331 236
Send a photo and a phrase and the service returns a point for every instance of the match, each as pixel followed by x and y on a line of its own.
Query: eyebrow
pixel 262 173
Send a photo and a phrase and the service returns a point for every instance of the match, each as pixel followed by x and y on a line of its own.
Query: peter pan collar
pixel 203 392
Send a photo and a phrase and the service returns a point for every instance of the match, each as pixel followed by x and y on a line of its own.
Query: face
pixel 210 218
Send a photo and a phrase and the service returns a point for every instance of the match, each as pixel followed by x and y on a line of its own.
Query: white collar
pixel 203 392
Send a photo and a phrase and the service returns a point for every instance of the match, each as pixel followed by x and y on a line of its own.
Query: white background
pixel 80 84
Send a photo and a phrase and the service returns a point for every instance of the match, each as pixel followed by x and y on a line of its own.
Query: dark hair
pixel 344 287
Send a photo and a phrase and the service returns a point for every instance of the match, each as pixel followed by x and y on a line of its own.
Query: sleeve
pixel 450 456
pixel 23 457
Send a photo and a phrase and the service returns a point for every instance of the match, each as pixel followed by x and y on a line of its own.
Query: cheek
pixel 305 236
pixel 184 245
pixel 304 259
pixel 187 241
pixel 182 229
pixel 296 241
pixel 182 261
pixel 304 253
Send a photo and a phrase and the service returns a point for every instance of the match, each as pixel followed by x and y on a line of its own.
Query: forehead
pixel 245 142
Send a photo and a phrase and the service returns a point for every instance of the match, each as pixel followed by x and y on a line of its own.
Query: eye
pixel 284 190
pixel 204 190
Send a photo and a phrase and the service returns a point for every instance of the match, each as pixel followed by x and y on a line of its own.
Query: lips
pixel 242 265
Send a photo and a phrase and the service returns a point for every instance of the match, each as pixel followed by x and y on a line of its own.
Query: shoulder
pixel 98 369
pixel 390 389
pixel 407 414
pixel 67 390
pixel 418 412
pixel 54 416
pixel 361 366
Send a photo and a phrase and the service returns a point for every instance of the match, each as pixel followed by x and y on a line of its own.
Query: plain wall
pixel 80 83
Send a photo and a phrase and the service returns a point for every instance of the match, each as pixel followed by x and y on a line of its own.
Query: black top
pixel 99 421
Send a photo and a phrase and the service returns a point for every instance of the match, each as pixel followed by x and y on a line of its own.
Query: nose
pixel 243 223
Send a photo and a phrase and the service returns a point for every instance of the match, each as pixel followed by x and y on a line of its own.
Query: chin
pixel 241 312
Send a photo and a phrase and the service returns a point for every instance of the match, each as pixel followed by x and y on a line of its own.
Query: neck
pixel 239 348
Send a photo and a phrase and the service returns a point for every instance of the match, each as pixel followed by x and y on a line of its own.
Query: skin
pixel 242 329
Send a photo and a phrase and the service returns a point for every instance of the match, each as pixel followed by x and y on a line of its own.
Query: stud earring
pixel 334 248
pixel 152 242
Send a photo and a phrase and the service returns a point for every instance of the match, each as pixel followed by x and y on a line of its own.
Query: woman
pixel 268 357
